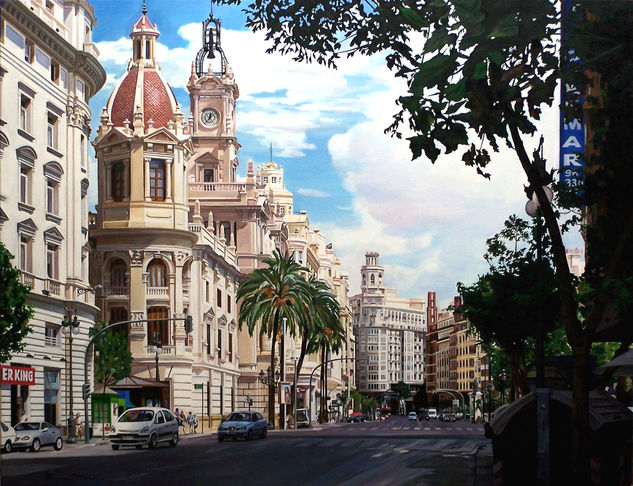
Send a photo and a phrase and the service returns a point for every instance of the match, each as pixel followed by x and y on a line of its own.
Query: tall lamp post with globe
pixel 533 209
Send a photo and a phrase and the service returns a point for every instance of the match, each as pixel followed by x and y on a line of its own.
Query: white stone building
pixel 48 73
pixel 390 333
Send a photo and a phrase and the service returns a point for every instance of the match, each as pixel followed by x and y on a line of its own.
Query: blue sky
pixel 359 186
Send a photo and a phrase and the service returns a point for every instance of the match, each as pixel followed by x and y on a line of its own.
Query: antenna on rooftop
pixel 144 11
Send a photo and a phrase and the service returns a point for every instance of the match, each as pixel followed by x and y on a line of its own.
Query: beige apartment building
pixel 48 73
pixel 390 333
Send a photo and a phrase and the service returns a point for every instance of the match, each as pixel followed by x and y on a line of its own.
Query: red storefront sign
pixel 302 389
pixel 17 375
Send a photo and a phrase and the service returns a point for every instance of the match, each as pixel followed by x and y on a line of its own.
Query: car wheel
pixel 153 441
pixel 59 443
pixel 174 439
pixel 115 447
pixel 36 445
pixel 249 436
pixel 8 447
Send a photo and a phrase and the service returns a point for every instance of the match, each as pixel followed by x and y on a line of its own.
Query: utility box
pixel 513 432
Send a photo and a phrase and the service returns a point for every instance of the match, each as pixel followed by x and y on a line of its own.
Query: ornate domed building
pixel 157 264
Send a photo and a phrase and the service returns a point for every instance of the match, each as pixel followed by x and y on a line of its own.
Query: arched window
pixel 372 279
pixel 118 269
pixel 118 181
pixel 157 274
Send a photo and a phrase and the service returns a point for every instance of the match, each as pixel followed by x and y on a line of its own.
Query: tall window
pixel 372 279
pixel 220 341
pixel 219 297
pixel 25 253
pixel 157 180
pixel 52 206
pixel 160 327
pixel 208 338
pixel 51 394
pixel 83 151
pixel 25 113
pixel 118 181
pixel 118 269
pixel 119 314
pixel 157 274
pixel 29 51
pixel 52 261
pixel 208 175
pixel 25 185
pixel 230 350
pixel 228 303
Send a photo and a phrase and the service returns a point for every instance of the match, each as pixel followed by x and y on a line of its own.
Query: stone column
pixel 138 332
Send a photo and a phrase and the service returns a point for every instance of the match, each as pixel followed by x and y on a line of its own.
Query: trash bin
pixel 513 433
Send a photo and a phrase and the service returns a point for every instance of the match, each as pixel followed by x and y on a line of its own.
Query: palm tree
pixel 270 295
pixel 327 336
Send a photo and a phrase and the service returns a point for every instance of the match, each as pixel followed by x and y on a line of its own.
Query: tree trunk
pixel 271 388
pixel 580 414
pixel 299 365
pixel 323 412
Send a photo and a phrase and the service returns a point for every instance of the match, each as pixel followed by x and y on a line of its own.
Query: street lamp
pixel 70 323
pixel 489 388
pixel 157 347
pixel 502 385
pixel 533 209
pixel 270 379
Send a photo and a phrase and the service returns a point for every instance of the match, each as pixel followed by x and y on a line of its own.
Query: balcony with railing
pixel 118 291
pixel 207 238
pixel 207 188
pixel 166 350
pixel 157 292
pixel 52 341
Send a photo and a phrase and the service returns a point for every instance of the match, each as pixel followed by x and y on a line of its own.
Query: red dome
pixel 158 99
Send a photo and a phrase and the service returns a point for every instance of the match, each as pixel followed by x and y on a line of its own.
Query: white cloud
pixel 312 193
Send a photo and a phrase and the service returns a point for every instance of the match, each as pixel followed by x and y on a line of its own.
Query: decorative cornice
pixel 89 68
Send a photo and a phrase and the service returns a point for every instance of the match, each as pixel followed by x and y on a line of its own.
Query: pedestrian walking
pixel 182 420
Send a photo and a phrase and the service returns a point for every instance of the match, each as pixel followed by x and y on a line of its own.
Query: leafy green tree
pixel 485 71
pixel 268 296
pixel 14 311
pixel 113 359
pixel 402 389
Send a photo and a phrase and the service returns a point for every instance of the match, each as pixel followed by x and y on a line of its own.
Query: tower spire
pixel 144 11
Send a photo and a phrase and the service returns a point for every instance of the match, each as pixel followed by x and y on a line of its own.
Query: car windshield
pixel 239 417
pixel 28 426
pixel 137 416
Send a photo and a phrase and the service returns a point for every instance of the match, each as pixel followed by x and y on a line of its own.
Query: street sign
pixel 197 386
pixel 17 375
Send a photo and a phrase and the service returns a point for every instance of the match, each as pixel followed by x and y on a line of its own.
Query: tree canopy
pixel 113 359
pixel 14 311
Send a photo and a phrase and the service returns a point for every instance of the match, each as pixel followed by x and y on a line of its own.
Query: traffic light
pixel 85 390
pixel 189 324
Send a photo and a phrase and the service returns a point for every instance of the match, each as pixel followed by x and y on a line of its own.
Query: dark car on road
pixel 448 417
pixel 423 415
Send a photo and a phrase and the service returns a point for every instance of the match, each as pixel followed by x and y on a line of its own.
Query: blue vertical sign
pixel 572 133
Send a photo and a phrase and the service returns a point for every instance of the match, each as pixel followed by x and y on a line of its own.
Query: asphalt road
pixel 392 452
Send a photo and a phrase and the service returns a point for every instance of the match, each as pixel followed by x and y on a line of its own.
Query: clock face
pixel 209 117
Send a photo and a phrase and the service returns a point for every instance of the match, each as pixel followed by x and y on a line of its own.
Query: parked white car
pixel 8 437
pixel 432 413
pixel 141 426
pixel 34 435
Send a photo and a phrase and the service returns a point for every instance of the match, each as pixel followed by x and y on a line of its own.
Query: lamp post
pixel 270 379
pixel 502 385
pixel 70 323
pixel 157 347
pixel 533 209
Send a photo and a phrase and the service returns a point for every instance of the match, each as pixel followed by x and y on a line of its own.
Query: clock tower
pixel 213 92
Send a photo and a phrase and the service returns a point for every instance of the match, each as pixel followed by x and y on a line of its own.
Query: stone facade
pixel 48 73
pixel 390 333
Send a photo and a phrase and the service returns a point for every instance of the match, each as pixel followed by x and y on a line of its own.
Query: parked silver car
pixel 8 437
pixel 141 426
pixel 35 435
